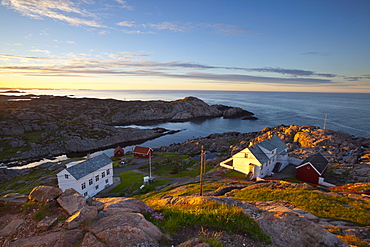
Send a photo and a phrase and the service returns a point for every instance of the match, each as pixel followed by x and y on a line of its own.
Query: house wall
pixel 146 156
pixel 90 189
pixel 242 161
pixel 119 153
pixel 307 173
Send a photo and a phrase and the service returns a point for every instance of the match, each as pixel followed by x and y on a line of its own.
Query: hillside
pixel 35 127
pixel 231 212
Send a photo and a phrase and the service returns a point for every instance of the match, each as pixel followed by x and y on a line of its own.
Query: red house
pixel 119 152
pixel 313 169
pixel 142 152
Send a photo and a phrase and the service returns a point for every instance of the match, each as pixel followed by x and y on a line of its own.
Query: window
pixel 97 178
pixel 90 181
pixel 83 186
pixel 85 194
pixel 97 187
pixel 106 181
pixel 108 171
pixel 103 174
pixel 245 155
pixel 66 176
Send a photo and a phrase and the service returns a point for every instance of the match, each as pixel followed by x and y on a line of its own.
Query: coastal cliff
pixel 45 126
pixel 275 212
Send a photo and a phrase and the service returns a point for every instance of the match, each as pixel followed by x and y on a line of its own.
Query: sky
pixel 242 45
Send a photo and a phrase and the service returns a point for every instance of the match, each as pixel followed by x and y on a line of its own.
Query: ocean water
pixel 346 112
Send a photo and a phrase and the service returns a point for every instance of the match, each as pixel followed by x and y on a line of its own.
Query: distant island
pixel 35 127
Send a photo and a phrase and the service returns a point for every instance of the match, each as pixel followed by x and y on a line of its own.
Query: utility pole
pixel 150 167
pixel 202 158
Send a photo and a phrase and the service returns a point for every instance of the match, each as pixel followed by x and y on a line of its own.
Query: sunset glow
pixel 309 46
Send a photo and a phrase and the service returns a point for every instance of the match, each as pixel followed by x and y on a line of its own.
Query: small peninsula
pixel 34 127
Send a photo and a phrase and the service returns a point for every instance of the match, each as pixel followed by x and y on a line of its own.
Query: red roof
pixel 118 149
pixel 141 150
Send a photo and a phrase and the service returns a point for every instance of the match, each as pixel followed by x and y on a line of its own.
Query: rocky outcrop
pixel 71 201
pixel 348 155
pixel 285 226
pixel 100 222
pixel 62 125
pixel 44 193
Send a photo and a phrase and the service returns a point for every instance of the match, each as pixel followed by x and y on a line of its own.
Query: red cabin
pixel 142 152
pixel 119 152
pixel 312 169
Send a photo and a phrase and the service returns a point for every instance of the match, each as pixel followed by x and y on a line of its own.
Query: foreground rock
pixel 285 226
pixel 95 222
pixel 61 125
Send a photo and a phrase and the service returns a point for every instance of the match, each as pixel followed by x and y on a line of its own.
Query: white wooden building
pixel 87 177
pixel 261 159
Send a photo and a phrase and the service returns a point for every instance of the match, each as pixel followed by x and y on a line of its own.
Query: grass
pixel 173 165
pixel 187 190
pixel 235 174
pixel 319 204
pixel 357 188
pixel 231 219
pixel 131 183
pixel 25 183
pixel 353 240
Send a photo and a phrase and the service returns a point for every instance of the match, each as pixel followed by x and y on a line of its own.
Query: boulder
pixel 194 242
pixel 13 198
pixel 126 229
pixel 122 204
pixel 86 213
pixel 91 241
pixel 57 239
pixel 44 193
pixel 71 201
pixel 289 228
pixel 11 227
pixel 47 222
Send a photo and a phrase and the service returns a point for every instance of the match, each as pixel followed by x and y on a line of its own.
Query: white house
pixel 261 159
pixel 87 177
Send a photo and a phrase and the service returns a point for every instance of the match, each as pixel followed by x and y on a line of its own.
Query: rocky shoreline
pixel 35 127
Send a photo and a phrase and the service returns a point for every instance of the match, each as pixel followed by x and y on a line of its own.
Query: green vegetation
pixel 171 218
pixel 358 187
pixel 173 165
pixel 353 240
pixel 319 204
pixel 25 183
pixel 184 190
pixel 131 183
pixel 234 174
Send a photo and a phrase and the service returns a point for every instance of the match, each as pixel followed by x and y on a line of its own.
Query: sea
pixel 345 112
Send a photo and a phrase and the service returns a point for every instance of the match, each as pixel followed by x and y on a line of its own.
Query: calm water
pixel 348 113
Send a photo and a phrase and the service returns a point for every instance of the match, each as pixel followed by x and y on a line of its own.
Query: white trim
pixel 309 163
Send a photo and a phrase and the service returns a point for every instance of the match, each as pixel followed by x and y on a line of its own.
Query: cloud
pixel 42 51
pixel 170 26
pixel 357 78
pixel 251 79
pixel 124 4
pixel 133 64
pixel 55 9
pixel 23 57
pixel 227 29
pixel 316 53
pixel 103 32
pixel 126 24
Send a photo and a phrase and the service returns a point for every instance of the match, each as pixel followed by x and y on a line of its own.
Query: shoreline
pixel 37 127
